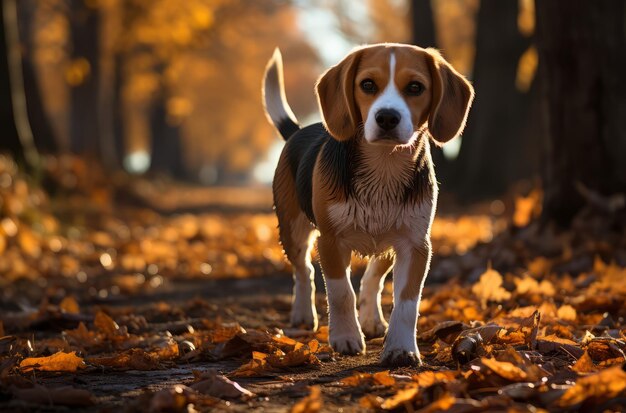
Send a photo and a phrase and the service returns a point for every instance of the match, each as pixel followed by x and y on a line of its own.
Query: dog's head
pixel 392 91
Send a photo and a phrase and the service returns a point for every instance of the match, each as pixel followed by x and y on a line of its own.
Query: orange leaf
pixel 505 369
pixel 311 403
pixel 600 386
pixel 584 364
pixel 69 305
pixel 322 334
pixel 57 362
pixel 428 378
pixel 401 397
pixel 489 287
pixel 133 359
pixel 105 324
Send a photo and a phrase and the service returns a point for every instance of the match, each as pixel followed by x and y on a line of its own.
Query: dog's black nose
pixel 387 119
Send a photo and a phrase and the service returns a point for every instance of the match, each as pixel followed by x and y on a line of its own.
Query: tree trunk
pixel 423 35
pixel 85 34
pixel 582 45
pixel 166 148
pixel 489 158
pixel 43 135
pixel 10 139
pixel 423 26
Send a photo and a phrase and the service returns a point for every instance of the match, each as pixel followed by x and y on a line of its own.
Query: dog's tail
pixel 276 107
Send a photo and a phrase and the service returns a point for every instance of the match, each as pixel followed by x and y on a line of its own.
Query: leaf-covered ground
pixel 106 304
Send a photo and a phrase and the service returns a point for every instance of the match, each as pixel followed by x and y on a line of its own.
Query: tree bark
pixel 84 99
pixel 423 26
pixel 43 134
pixel 583 48
pixel 10 139
pixel 166 154
pixel 490 155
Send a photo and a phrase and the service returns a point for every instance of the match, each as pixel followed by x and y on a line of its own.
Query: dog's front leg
pixel 409 273
pixel 345 333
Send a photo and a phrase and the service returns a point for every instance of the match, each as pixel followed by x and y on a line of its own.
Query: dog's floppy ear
pixel 452 97
pixel 335 95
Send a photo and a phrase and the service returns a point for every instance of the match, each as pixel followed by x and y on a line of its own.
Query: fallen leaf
pixel 382 378
pixel 567 313
pixel 584 364
pixel 69 305
pixel 600 386
pixel 133 359
pixel 429 378
pixel 401 397
pixel 215 385
pixel 105 324
pixel 504 369
pixel 489 287
pixel 310 404
pixel 57 362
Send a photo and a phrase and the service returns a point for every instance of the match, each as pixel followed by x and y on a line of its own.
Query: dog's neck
pixel 387 171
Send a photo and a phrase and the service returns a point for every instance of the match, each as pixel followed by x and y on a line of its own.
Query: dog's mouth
pixel 388 139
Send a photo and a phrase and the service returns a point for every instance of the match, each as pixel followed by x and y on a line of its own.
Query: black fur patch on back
pixel 302 149
pixel 337 160
pixel 286 127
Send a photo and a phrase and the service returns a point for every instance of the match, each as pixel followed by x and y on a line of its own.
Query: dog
pixel 363 181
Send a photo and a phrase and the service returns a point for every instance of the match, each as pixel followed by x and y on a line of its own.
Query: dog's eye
pixel 414 89
pixel 368 86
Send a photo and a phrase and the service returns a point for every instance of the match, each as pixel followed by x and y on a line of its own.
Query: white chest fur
pixel 377 215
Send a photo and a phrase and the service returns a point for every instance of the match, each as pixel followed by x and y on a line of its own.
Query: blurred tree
pixel 43 134
pixel 423 35
pixel 82 76
pixel 423 26
pixel 582 47
pixel 490 156
pixel 18 136
pixel 10 139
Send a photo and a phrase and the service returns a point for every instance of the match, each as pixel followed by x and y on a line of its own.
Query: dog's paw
pixel 373 327
pixel 304 318
pixel 348 345
pixel 400 358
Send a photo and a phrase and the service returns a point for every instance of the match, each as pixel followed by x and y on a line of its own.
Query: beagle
pixel 363 181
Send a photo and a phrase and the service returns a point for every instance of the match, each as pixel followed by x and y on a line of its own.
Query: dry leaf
pixel 215 385
pixel 69 305
pixel 489 287
pixel 584 364
pixel 567 313
pixel 403 396
pixel 105 324
pixel 310 404
pixel 133 359
pixel 505 369
pixel 57 362
pixel 599 386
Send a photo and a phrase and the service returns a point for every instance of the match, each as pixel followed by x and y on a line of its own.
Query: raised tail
pixel 276 107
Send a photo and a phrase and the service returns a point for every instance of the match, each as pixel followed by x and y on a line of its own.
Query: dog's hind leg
pixel 297 236
pixel 298 250
pixel 371 316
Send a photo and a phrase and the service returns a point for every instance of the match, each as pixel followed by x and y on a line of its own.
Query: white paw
pixel 373 327
pixel 347 344
pixel 304 317
pixel 400 357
